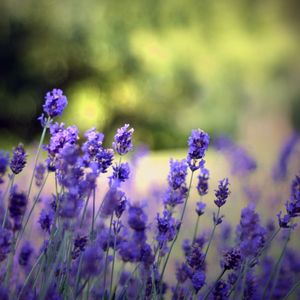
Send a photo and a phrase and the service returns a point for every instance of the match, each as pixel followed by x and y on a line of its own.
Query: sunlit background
pixel 162 66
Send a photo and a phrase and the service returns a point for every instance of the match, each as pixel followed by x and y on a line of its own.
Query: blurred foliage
pixel 163 66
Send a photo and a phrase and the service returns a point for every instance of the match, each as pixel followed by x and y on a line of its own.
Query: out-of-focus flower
pixel 80 243
pixel 231 259
pixel 46 219
pixel 280 170
pixel 92 261
pixel 137 218
pixel 5 243
pixel 200 206
pixel 17 207
pixel 220 290
pixel 202 186
pixel 250 234
pixel 241 163
pixel 39 174
pixel 55 103
pixel 222 192
pixel 198 280
pixel 25 254
pixel 18 160
pixel 4 160
pixel 123 140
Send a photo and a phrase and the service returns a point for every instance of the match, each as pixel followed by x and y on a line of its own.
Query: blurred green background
pixel 162 66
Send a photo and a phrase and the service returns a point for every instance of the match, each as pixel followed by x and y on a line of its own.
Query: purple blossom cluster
pixel 87 240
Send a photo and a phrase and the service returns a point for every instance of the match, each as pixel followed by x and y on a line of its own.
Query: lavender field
pixel 85 217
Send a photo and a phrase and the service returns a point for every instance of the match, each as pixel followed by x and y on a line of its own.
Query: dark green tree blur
pixel 162 66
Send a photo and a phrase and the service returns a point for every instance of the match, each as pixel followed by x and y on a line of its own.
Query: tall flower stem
pixel 275 272
pixel 106 255
pixel 38 154
pixel 9 188
pixel 177 233
pixel 29 275
pixel 84 209
pixel 196 228
pixel 19 236
pixel 113 266
pixel 93 215
pixel 212 234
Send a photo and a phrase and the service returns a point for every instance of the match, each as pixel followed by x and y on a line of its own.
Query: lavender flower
pixel 177 189
pixel 18 160
pixel 102 161
pixel 198 280
pixel 4 160
pixel 167 228
pixel 93 144
pixel 80 243
pixel 222 192
pixel 111 201
pixel 202 186
pixel 198 144
pixel 55 103
pixel 25 254
pixel 17 207
pixel 231 259
pixel 200 206
pixel 45 220
pixel 220 290
pixel 5 243
pixel 241 162
pixel 121 172
pixel 39 174
pixel 123 140
pixel 137 218
pixel 251 235
pixel 280 170
pixel 92 261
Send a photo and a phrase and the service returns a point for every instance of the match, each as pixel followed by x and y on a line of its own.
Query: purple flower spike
pixel 123 140
pixel 55 103
pixel 232 259
pixel 198 280
pixel 198 143
pixel 18 160
pixel 17 207
pixel 222 192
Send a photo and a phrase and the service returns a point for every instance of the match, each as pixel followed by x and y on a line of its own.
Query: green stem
pixel 177 233
pixel 212 234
